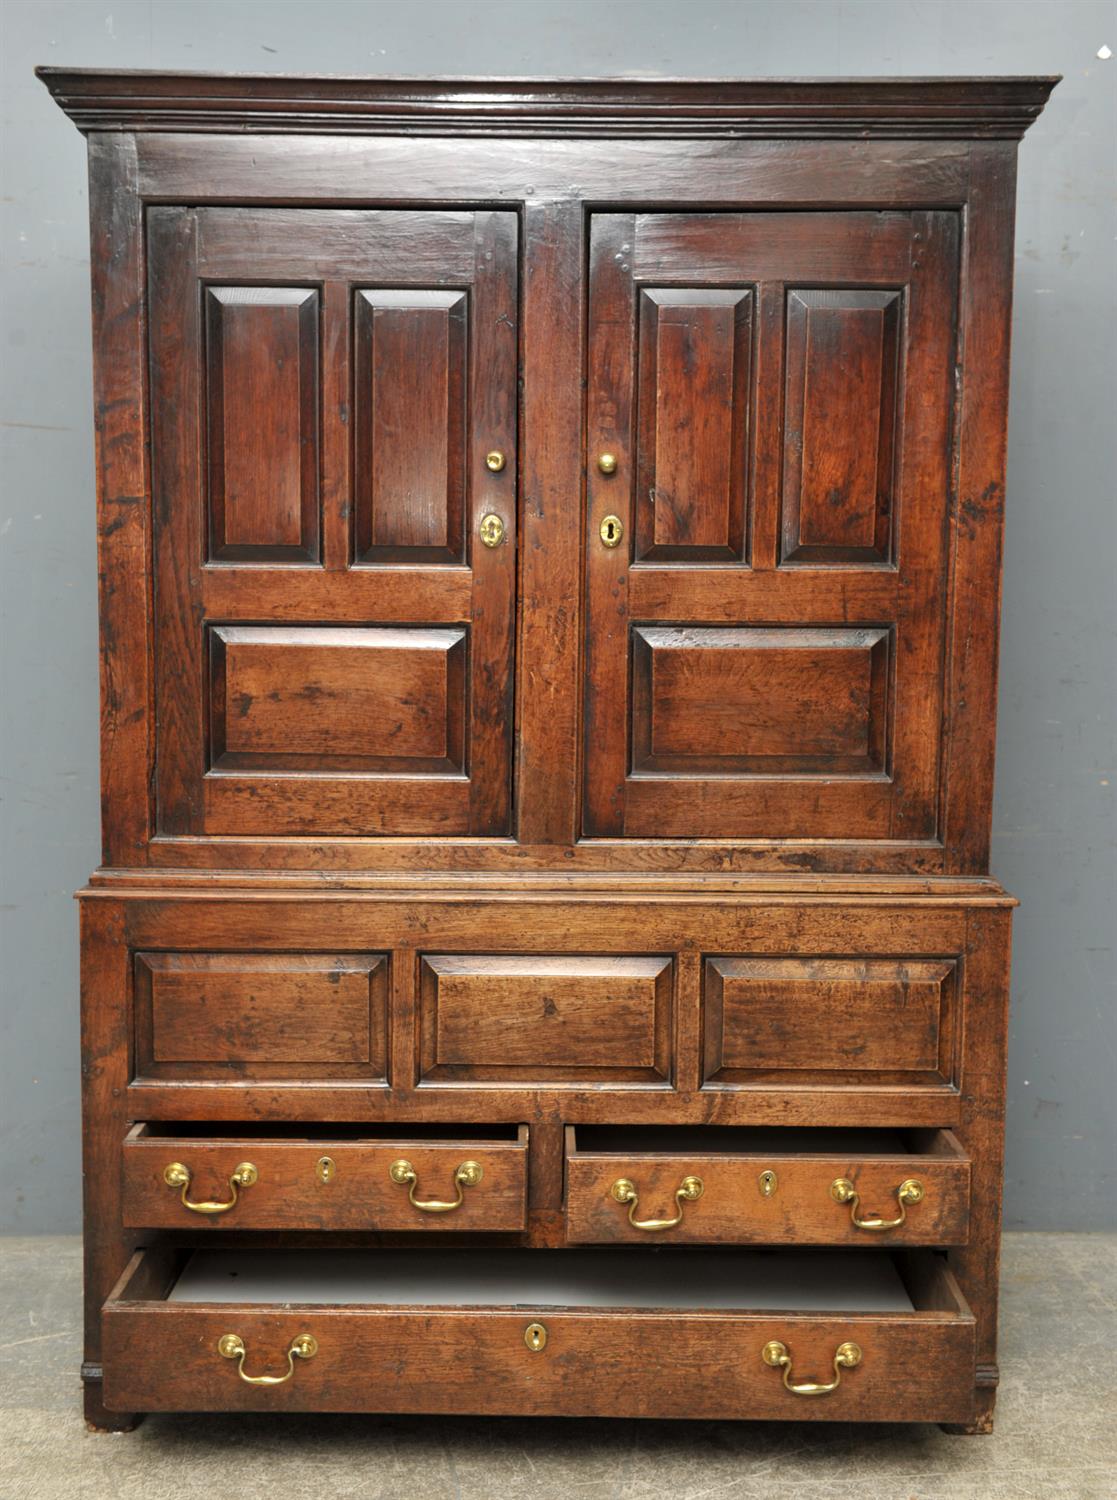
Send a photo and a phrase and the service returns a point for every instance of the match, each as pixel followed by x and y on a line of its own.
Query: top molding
pixel 801 109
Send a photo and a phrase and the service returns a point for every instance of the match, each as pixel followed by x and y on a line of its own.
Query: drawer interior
pixel 278 1130
pixel 715 1140
pixel 644 1278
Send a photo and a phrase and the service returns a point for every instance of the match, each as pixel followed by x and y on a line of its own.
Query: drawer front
pixel 769 1198
pixel 371 1185
pixel 913 1366
pixel 498 1018
pixel 871 1021
pixel 261 1015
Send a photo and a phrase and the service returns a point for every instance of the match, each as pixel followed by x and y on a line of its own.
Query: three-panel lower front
pixel 731 1158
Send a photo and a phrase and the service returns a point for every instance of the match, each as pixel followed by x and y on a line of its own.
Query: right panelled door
pixel 769 477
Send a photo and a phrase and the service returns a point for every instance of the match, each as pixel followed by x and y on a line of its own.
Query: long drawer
pixel 651 1332
pixel 180 1177
pixel 742 1186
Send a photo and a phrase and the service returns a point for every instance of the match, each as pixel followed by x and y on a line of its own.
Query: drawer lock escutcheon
pixel 402 1173
pixel 535 1337
pixel 302 1346
pixel 325 1169
pixel 910 1191
pixel 688 1191
pixel 846 1356
pixel 768 1182
pixel 177 1175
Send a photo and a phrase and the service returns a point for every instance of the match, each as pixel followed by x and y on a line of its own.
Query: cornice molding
pixel 799 109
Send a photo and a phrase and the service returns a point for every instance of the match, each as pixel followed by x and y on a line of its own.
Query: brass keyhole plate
pixel 535 1337
pixel 612 530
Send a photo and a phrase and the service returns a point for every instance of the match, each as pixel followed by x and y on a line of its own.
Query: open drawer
pixel 275 1177
pixel 671 1332
pixel 776 1186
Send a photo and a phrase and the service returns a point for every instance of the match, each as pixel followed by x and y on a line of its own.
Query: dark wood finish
pixel 523 1020
pixel 259 1015
pixel 408 839
pixel 422 715
pixel 734 1210
pixel 356 1194
pixel 615 1361
pixel 882 724
pixel 870 1021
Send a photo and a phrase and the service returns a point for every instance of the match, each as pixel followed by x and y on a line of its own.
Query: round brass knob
pixel 607 463
pixel 495 461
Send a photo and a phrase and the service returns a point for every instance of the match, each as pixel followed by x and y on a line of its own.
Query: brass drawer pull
pixel 688 1191
pixel 469 1174
pixel 178 1176
pixel 910 1191
pixel 302 1346
pixel 846 1356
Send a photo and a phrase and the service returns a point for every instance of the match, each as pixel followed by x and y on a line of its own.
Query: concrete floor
pixel 1056 1435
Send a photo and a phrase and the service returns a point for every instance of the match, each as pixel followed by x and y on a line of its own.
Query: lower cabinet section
pixel 623 1332
pixel 183 1177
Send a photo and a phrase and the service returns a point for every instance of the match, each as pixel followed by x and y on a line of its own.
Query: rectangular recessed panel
pixel 840 419
pixel 258 1015
pixel 261 385
pixel 409 412
pixel 523 1019
pixel 828 1019
pixel 744 700
pixel 693 402
pixel 323 698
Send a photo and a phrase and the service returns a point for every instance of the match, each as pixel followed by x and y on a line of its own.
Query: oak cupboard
pixel 550 542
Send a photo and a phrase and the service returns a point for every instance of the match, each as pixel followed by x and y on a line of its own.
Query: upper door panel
pixel 765 640
pixel 333 638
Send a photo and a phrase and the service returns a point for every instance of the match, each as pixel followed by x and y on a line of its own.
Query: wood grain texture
pixel 413 840
pixel 734 1210
pixel 527 1019
pixel 227 1015
pixel 291 1195
pixel 262 423
pixel 842 374
pixel 871 1021
pixel 602 1362
pixel 613 108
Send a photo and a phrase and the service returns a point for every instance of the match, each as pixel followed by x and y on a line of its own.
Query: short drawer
pixel 179 1177
pixel 660 1333
pixel 777 1187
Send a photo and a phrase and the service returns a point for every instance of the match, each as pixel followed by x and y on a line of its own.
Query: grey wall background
pixel 1054 844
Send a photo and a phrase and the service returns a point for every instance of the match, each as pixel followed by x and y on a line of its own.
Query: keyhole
pixel 611 530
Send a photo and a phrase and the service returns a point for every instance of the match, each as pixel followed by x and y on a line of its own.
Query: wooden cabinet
pixel 550 541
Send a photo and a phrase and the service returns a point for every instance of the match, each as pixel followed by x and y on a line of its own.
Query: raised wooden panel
pixel 248 1015
pixel 320 698
pixel 556 1020
pixel 802 1020
pixel 743 700
pixel 693 415
pixel 840 419
pixel 409 416
pixel 261 383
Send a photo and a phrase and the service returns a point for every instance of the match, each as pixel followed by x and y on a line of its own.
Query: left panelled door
pixel 333 401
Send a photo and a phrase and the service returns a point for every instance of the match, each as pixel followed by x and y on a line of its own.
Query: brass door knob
pixel 495 461
pixel 607 463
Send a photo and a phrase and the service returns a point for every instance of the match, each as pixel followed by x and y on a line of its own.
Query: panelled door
pixel 769 462
pixel 333 470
